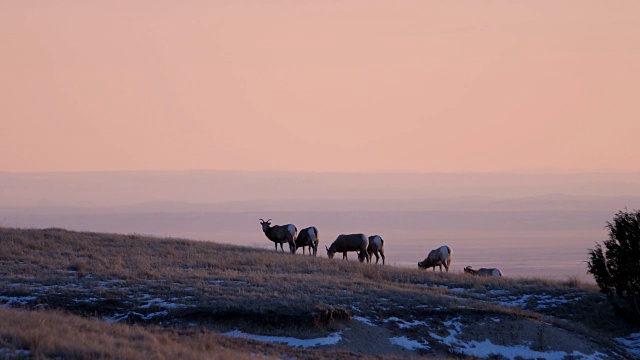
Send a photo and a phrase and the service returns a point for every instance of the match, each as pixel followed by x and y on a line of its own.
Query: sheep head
pixel 330 253
pixel 265 224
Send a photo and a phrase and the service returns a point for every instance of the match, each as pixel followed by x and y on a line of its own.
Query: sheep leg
pixel 382 255
pixel 344 256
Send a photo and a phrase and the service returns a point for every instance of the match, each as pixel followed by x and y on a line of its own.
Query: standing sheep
pixel 351 242
pixel 438 257
pixel 280 234
pixel 308 237
pixel 376 245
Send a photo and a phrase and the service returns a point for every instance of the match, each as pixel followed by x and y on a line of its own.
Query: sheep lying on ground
pixel 438 257
pixel 483 271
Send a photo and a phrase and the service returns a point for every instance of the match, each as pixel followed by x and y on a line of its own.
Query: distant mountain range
pixel 240 191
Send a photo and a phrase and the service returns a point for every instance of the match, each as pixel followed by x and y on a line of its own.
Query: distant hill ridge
pixel 196 187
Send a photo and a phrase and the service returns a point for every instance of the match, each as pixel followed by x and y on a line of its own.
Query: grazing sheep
pixel 438 257
pixel 280 234
pixel 376 245
pixel 352 242
pixel 483 271
pixel 308 237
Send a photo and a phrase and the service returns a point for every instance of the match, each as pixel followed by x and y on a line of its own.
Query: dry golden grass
pixel 211 286
pixel 55 335
pixel 46 334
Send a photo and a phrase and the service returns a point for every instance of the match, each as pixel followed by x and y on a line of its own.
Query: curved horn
pixel 261 220
pixel 326 247
pixel 269 220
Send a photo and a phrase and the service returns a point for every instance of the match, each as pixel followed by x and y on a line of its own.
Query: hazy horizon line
pixel 500 172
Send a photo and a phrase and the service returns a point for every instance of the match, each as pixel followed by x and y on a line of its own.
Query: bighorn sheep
pixel 350 242
pixel 308 237
pixel 376 245
pixel 438 257
pixel 483 271
pixel 280 234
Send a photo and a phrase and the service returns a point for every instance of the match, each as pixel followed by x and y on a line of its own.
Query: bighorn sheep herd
pixel 365 247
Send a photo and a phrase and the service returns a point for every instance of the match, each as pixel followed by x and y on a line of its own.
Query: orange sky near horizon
pixel 410 86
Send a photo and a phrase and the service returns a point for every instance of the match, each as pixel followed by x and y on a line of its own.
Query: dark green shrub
pixel 616 268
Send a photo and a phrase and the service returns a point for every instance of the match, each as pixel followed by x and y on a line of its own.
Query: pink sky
pixel 320 85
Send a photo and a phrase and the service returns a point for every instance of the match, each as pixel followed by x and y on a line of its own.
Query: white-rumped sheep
pixel 351 242
pixel 280 234
pixel 376 245
pixel 483 271
pixel 438 257
pixel 308 237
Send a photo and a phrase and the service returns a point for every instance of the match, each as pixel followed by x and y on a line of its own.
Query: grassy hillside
pixel 88 295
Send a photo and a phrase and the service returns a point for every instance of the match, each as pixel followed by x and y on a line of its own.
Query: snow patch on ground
pixel 458 289
pixel 408 343
pixel 486 347
pixel 120 317
pixel 89 300
pixel 110 283
pixel 162 303
pixel 332 339
pixel 364 320
pixel 16 300
pixel 543 301
pixel 499 292
pixel 9 353
pixel 403 324
pixel 631 343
